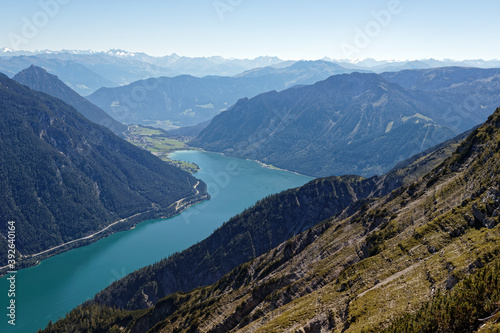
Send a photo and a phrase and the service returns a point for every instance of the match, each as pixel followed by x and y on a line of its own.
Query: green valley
pixel 159 143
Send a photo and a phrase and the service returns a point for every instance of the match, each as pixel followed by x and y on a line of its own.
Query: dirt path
pixel 392 278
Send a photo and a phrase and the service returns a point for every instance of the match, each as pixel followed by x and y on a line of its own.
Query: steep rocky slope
pixel 357 271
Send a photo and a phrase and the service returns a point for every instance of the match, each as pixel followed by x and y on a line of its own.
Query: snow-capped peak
pixel 120 53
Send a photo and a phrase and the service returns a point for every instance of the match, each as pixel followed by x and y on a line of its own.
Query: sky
pixel 293 29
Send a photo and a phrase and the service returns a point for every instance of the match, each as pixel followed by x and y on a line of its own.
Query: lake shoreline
pixel 264 165
pixel 68 280
pixel 125 224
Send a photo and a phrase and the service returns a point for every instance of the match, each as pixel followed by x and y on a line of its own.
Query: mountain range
pixel 422 257
pixel 186 100
pixel 357 123
pixel 75 75
pixel 348 124
pixel 63 177
pixel 85 71
pixel 245 64
pixel 380 66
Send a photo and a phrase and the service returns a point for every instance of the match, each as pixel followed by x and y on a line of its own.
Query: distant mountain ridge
pixel 471 91
pixel 357 123
pixel 39 79
pixel 439 78
pixel 76 75
pixel 262 61
pixel 86 71
pixel 348 124
pixel 299 73
pixel 186 100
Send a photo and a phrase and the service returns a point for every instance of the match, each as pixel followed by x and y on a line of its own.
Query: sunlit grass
pixel 158 143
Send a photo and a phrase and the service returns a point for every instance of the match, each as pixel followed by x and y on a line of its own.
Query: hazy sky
pixel 293 29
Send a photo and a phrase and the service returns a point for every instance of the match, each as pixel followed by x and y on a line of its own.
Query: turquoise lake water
pixel 58 284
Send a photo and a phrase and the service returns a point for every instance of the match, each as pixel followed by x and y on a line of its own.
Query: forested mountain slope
pixel 63 177
pixel 348 124
pixel 39 79
pixel 186 100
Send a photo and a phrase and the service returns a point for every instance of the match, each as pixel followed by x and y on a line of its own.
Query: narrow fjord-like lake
pixel 58 284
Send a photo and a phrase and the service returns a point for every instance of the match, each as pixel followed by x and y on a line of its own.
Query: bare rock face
pixel 487 215
pixel 320 324
pixel 451 282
